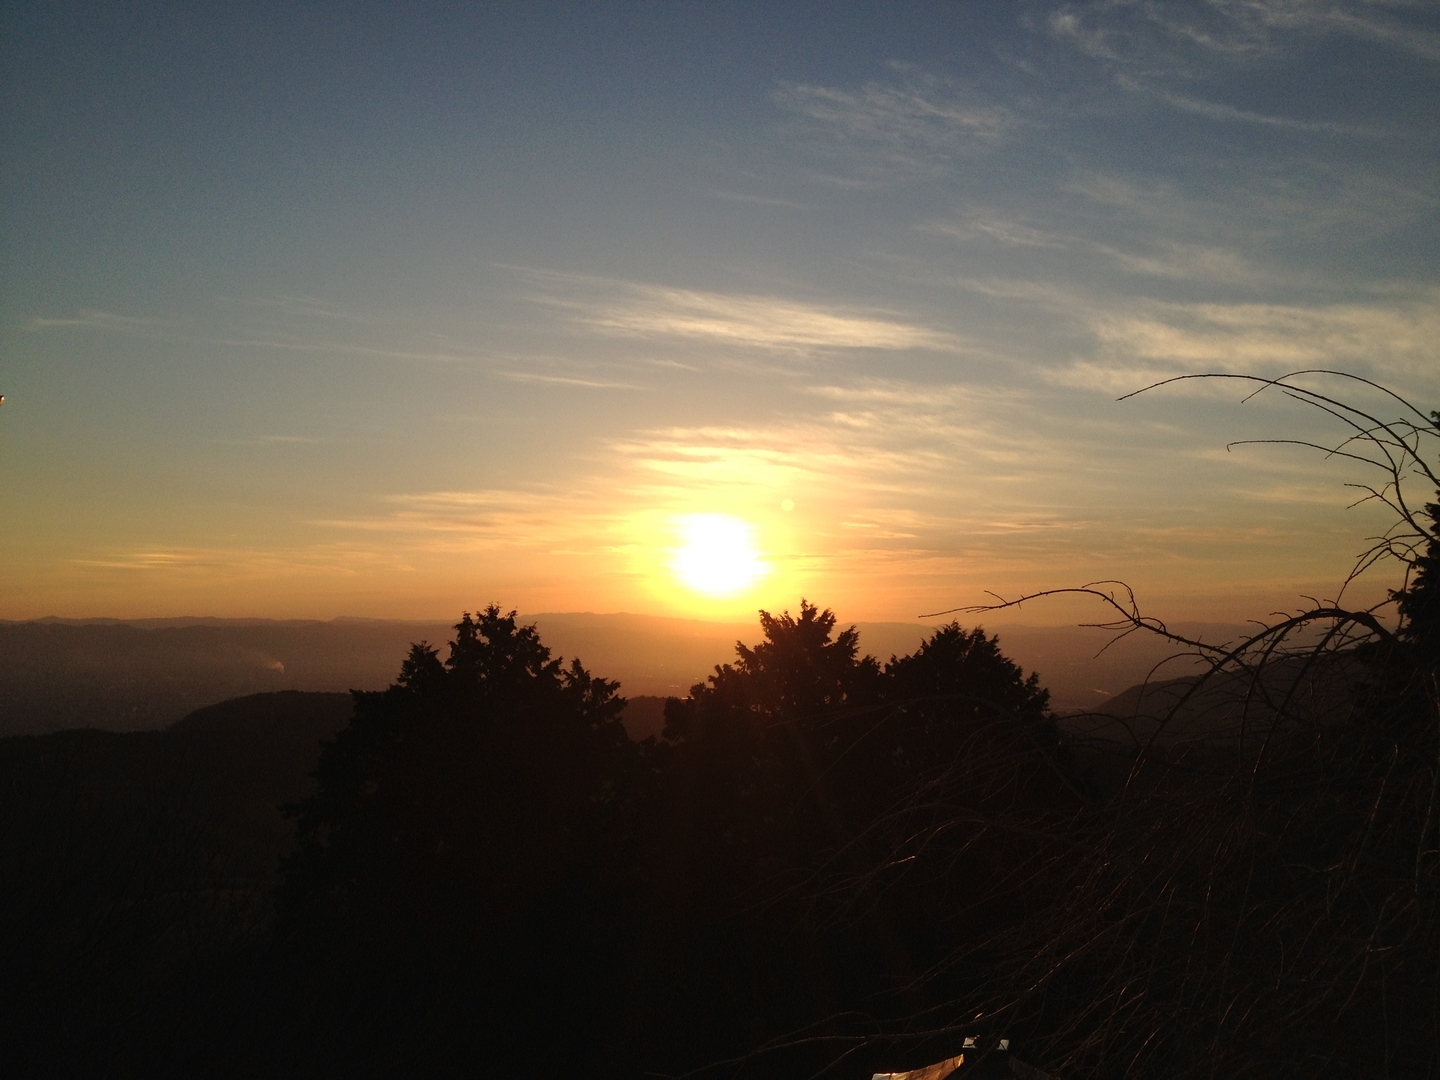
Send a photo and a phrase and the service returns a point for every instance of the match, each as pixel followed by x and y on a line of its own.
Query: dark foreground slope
pixel 1225 706
pixel 490 874
pixel 137 870
pixel 822 865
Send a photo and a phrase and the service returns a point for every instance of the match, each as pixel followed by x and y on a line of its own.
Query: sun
pixel 717 554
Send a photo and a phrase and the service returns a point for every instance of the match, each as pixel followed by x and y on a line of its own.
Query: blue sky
pixel 393 310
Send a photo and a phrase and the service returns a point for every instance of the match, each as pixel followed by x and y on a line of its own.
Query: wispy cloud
pixel 981 224
pixel 484 519
pixel 871 442
pixel 1235 30
pixel 1418 40
pixel 752 321
pixel 1214 110
pixel 1179 54
pixel 567 380
pixel 910 127
pixel 247 563
pixel 1396 343
pixel 900 115
pixel 1313 198
pixel 674 464
pixel 765 322
pixel 1193 262
pixel 1161 256
pixel 1250 26
pixel 100 320
pixel 909 395
pixel 1092 40
pixel 310 307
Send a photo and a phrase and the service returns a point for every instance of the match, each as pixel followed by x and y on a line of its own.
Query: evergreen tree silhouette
pixel 463 865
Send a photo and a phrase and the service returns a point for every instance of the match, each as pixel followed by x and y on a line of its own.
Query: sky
pixel 394 310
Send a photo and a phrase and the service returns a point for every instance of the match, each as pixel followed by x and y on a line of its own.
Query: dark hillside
pixel 133 863
pixel 1220 707
pixel 820 863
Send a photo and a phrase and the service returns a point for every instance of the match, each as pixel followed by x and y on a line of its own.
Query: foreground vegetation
pixel 824 865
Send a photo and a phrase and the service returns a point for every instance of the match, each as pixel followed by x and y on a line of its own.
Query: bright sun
pixel 717 556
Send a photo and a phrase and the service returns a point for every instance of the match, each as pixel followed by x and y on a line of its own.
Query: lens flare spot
pixel 717 554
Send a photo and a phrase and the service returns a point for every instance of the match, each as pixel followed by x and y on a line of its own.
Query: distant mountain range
pixel 145 674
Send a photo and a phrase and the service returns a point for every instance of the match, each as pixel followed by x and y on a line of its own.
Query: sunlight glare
pixel 717 555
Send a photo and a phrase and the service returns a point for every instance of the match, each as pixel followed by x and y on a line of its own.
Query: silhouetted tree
pixel 1418 601
pixel 463 868
pixel 788 776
